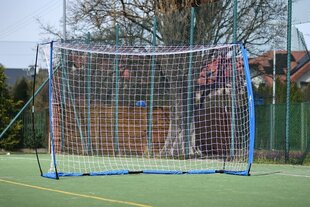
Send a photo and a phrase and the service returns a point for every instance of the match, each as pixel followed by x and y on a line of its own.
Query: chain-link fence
pixel 270 139
pixel 41 129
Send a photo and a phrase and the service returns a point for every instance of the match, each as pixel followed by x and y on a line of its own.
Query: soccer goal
pixel 162 110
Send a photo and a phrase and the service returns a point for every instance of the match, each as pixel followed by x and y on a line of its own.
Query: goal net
pixel 170 110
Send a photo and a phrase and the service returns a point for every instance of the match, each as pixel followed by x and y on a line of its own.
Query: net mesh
pixel 149 108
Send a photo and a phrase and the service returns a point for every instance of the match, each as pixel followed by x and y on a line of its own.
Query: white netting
pixel 149 108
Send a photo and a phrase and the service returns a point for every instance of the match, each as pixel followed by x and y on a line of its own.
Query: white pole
pixel 272 130
pixel 64 20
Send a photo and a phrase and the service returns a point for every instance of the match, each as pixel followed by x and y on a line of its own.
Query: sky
pixel 20 30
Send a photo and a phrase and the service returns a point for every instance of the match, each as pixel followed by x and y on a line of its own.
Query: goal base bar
pixel 158 172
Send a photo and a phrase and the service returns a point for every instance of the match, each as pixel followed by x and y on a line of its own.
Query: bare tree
pixel 259 21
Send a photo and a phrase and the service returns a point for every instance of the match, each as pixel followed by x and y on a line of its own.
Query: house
pixel 15 74
pixel 262 67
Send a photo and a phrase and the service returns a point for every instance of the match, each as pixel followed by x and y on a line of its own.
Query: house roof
pixel 14 74
pixel 300 64
pixel 303 66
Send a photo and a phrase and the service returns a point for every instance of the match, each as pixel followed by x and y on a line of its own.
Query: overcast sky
pixel 20 31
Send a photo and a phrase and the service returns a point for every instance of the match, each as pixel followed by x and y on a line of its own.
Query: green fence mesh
pixel 270 132
pixel 41 129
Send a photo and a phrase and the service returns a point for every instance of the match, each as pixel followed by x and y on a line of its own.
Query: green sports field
pixel 269 185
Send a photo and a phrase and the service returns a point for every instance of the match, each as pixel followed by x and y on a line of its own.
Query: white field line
pixel 294 175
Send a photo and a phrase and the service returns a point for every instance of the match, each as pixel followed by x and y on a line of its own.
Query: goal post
pixel 147 109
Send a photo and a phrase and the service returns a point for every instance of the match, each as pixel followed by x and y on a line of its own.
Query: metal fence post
pixel 288 79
